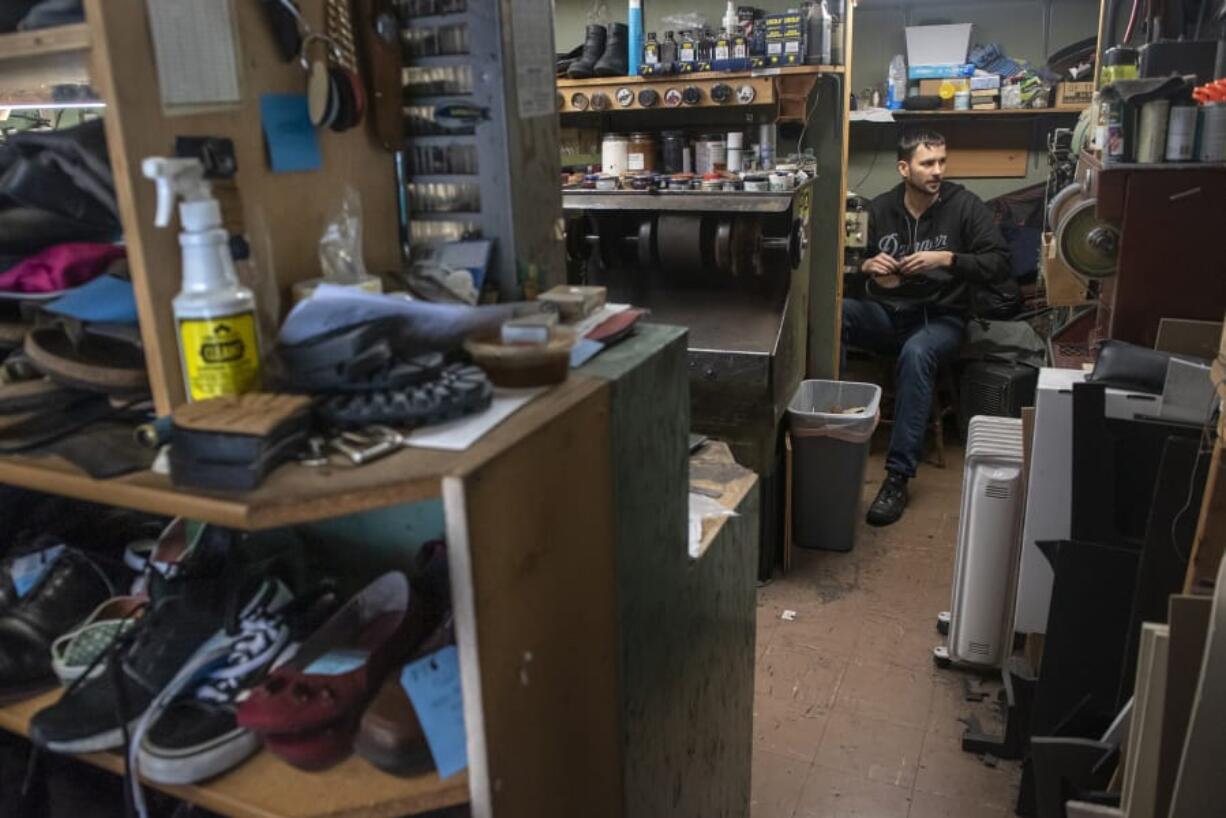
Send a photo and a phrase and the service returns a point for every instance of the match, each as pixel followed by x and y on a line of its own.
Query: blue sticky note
pixel 289 136
pixel 28 569
pixel 433 685
pixel 106 299
pixel 584 350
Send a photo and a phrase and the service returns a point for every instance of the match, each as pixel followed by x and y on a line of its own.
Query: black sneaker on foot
pixel 891 501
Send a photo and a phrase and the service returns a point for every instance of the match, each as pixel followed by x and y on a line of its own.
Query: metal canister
pixel 757 183
pixel 1212 132
pixel 1151 132
pixel 1181 133
pixel 1113 141
pixel 614 153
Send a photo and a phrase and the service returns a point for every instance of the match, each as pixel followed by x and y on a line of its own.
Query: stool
pixel 944 394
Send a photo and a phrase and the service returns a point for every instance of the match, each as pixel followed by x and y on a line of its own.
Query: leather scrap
pixel 95 362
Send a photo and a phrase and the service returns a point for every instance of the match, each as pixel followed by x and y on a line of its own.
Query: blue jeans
pixel 921 337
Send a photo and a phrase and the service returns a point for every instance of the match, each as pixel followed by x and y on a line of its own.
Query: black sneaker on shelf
pixel 191 734
pixel 891 501
pixel 186 609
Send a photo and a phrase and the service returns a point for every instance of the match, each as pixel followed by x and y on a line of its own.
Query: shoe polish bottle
pixel 635 21
pixel 215 320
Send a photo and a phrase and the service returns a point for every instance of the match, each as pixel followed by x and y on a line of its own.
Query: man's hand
pixel 926 260
pixel 882 264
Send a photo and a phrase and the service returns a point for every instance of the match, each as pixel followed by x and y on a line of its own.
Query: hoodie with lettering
pixel 957 221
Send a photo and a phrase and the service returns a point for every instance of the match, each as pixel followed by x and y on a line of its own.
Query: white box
pixel 938 45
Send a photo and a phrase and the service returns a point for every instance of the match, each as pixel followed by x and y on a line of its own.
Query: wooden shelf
pixel 32 62
pixel 780 71
pixel 44 42
pixel 1068 109
pixel 294 493
pixel 266 787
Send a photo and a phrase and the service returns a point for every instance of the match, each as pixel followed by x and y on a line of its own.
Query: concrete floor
pixel 851 717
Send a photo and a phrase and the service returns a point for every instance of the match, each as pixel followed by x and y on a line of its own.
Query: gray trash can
pixel 832 424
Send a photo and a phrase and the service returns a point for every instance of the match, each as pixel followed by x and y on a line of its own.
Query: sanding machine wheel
pixel 723 245
pixel 1087 244
pixel 679 241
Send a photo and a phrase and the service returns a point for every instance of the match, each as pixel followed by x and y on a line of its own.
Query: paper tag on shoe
pixel 28 569
pixel 433 685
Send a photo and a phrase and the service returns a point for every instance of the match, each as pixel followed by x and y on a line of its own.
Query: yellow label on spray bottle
pixel 221 356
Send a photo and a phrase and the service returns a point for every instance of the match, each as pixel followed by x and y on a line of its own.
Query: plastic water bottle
pixel 634 20
pixel 896 90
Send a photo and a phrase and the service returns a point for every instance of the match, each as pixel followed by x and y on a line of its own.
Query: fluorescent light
pixel 50 106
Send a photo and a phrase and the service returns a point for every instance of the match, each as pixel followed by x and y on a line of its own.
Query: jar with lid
pixel 672 151
pixel 614 153
pixel 641 152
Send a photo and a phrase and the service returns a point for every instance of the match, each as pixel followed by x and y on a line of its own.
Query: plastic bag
pixel 684 22
pixel 598 14
pixel 340 247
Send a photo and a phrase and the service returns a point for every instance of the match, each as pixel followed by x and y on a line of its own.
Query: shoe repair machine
pixel 733 268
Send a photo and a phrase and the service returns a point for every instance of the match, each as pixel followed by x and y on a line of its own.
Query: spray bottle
pixel 215 319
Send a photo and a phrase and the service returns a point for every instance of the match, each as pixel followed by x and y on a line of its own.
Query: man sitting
pixel 934 243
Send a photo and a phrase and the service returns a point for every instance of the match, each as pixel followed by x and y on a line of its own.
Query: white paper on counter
pixel 597 318
pixel 459 435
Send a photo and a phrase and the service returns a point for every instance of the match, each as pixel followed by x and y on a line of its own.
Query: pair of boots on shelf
pixel 604 53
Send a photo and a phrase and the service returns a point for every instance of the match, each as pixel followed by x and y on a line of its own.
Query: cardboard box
pixel 938 45
pixel 1064 288
pixel 1074 93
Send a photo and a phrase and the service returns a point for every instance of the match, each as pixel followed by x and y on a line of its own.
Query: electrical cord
pixel 871 166
pixel 1132 22
pixel 1204 447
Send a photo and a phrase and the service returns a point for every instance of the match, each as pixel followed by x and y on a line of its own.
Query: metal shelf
pixel 677 200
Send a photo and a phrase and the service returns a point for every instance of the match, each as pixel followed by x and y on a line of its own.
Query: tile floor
pixel 851 717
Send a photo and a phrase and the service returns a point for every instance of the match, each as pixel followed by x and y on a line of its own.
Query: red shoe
pixel 310 706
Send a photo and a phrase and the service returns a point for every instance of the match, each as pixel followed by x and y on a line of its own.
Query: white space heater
pixel 980 619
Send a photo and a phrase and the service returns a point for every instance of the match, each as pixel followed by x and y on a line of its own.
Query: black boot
pixel 891 501
pixel 614 63
pixel 565 61
pixel 593 50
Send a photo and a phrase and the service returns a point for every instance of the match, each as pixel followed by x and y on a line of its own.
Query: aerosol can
pixel 215 320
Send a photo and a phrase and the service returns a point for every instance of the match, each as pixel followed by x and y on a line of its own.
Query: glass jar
pixel 673 151
pixel 614 153
pixel 641 152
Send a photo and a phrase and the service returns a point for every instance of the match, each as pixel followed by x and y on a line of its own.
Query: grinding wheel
pixel 679 242
pixel 723 246
pixel 747 246
pixel 647 243
pixel 1084 242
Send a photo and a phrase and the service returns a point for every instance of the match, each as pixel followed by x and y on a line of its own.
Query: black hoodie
pixel 957 221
